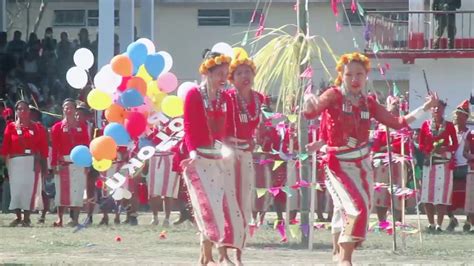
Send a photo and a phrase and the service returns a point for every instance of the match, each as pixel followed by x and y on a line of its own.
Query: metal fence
pixel 419 30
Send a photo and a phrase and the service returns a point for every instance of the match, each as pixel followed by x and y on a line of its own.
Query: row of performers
pixel 219 183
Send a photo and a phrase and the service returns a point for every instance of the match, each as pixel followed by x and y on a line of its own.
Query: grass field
pixel 43 244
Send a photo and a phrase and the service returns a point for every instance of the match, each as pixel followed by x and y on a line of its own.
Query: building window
pixel 213 17
pixel 69 18
pixel 227 17
pixel 93 18
pixel 242 17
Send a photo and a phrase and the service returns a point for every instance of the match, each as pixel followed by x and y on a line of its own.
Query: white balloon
pixel 184 88
pixel 223 48
pixel 76 77
pixel 168 61
pixel 149 45
pixel 84 58
pixel 107 80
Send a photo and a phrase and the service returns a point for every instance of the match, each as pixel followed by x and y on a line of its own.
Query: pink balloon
pixel 167 82
pixel 147 106
pixel 116 97
pixel 135 124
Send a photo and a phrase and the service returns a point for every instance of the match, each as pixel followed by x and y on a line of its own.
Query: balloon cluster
pixel 132 89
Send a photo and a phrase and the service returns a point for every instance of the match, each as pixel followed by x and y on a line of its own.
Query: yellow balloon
pixel 152 89
pixel 102 165
pixel 157 100
pixel 142 73
pixel 240 53
pixel 172 106
pixel 99 100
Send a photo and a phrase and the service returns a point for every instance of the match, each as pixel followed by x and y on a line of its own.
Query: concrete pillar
pixel 106 38
pixel 147 12
pixel 127 19
pixel 3 15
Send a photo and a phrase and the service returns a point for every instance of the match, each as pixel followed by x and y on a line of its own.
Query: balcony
pixel 409 35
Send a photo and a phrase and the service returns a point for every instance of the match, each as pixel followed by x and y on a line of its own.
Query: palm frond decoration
pixel 280 63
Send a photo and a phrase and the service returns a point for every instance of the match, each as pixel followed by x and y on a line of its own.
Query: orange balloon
pixel 138 84
pixel 115 113
pixel 103 147
pixel 122 65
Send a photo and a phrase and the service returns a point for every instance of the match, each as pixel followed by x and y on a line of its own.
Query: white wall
pixel 452 79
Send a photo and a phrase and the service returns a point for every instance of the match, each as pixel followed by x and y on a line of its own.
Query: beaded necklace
pixel 436 132
pixel 244 114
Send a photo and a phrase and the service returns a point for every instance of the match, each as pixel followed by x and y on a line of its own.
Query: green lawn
pixel 142 244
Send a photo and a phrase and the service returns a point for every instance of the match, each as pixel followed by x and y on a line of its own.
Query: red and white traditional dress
pixel 244 118
pixel 382 197
pixel 23 147
pixel 162 180
pixel 437 182
pixel 347 163
pixel 469 202
pixel 211 183
pixel 71 179
pixel 268 139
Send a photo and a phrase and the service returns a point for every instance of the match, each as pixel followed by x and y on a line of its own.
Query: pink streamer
pixel 338 27
pixel 353 6
pixel 274 191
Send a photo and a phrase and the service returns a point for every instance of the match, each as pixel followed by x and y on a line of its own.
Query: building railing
pixel 419 30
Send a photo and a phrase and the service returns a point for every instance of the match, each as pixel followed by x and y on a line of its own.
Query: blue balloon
pixel 131 98
pixel 144 142
pixel 118 133
pixel 137 52
pixel 154 64
pixel 81 156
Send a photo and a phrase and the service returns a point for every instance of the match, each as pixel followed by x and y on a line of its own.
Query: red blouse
pixel 236 128
pixel 25 140
pixel 448 135
pixel 64 139
pixel 268 138
pixel 339 125
pixel 201 130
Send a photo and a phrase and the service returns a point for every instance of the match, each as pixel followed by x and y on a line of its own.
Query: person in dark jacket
pixel 445 20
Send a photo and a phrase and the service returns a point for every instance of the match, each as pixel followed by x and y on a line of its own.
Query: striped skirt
pixel 469 203
pixel 161 179
pixel 382 196
pixel 25 184
pixel 70 185
pixel 211 186
pixel 437 183
pixel 263 179
pixel 350 183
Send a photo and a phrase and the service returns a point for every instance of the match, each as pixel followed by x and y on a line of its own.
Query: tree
pixel 19 7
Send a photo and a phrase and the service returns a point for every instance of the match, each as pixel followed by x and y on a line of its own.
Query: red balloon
pixel 123 86
pixel 135 124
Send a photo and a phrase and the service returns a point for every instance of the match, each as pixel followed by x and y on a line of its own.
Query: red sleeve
pixel 324 101
pixel 454 138
pixel 43 141
pixel 424 145
pixel 55 141
pixel 191 118
pixel 385 117
pixel 7 140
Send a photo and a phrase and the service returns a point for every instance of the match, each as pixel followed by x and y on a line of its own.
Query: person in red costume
pixel 461 115
pixel 70 179
pixel 348 113
pixel 25 149
pixel 244 117
pixel 382 199
pixel 469 201
pixel 208 172
pixel 438 141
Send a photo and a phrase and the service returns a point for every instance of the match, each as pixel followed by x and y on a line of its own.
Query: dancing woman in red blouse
pixel 70 180
pixel 208 174
pixel 438 141
pixel 348 111
pixel 25 149
pixel 244 119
